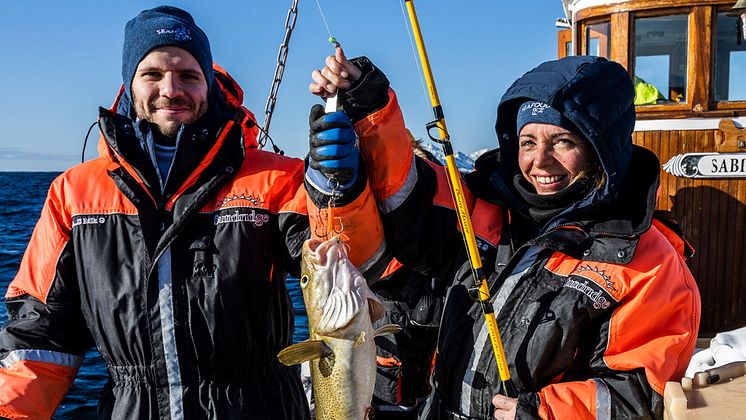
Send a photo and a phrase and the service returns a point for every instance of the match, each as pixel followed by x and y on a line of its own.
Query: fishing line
pixel 331 101
pixel 326 25
pixel 414 54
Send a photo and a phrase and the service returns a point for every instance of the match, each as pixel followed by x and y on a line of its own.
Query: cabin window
pixel 730 60
pixel 597 39
pixel 661 45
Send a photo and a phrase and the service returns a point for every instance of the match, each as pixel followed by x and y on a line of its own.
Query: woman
pixel 596 308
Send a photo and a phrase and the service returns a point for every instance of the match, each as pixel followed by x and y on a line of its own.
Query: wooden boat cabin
pixel 688 61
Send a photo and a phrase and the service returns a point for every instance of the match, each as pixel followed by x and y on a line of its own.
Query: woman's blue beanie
pixel 540 112
pixel 163 26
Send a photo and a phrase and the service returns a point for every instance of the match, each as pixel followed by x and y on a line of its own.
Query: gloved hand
pixel 334 157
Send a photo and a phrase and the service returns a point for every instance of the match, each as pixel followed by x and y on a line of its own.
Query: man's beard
pixel 166 133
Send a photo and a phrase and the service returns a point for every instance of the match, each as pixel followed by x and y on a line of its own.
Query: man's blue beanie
pixel 159 27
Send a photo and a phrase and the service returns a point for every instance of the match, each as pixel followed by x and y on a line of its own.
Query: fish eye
pixel 304 281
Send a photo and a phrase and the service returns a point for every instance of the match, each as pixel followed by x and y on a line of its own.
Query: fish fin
pixel 303 352
pixel 387 329
pixel 375 308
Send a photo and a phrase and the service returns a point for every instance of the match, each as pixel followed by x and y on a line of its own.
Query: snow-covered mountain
pixel 464 162
pixel 475 154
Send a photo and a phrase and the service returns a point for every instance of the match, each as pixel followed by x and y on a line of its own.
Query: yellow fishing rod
pixel 457 191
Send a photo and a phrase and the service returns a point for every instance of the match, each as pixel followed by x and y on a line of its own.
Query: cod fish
pixel 341 311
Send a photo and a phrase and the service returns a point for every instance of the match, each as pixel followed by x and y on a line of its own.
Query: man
pixel 169 251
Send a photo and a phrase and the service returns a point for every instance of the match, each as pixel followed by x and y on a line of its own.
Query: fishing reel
pixel 438 123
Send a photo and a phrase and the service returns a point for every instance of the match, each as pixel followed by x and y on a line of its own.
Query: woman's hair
pixel 595 172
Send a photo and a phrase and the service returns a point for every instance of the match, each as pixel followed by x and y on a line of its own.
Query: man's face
pixel 169 89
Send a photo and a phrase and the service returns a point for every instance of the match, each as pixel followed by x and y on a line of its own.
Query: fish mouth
pixel 319 251
pixel 342 295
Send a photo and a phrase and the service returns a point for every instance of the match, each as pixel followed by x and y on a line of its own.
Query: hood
pixel 225 103
pixel 592 92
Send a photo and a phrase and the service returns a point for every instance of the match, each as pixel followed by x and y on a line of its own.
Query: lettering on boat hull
pixel 707 165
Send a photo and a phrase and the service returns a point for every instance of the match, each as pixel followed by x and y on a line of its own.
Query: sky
pixel 61 60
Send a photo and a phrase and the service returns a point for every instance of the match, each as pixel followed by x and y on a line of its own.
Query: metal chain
pixel 282 56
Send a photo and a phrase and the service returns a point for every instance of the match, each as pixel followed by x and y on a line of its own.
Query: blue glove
pixel 334 157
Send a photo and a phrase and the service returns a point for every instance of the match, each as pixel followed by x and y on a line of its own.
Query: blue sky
pixel 61 60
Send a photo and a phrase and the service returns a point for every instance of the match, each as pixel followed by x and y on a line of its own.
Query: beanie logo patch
pixel 180 33
pixel 537 108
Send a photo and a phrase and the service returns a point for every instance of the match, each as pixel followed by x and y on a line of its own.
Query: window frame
pixel 676 106
pixel 595 21
pixel 719 105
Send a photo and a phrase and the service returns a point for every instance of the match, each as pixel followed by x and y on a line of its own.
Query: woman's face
pixel 551 157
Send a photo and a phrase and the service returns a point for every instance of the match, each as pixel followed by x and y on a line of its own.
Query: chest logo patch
pixel 258 219
pixel 597 275
pixel 591 289
pixel 242 200
pixel 88 220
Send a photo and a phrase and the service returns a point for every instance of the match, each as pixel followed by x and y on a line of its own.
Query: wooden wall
pixel 712 213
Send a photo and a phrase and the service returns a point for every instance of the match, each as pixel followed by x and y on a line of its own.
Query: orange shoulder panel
pixel 682 246
pixel 83 190
pixel 568 400
pixel 266 180
pixel 33 390
pixel 50 235
pixel 655 325
pixel 613 278
pixel 661 307
pixel 561 264
pixel 88 189
pixel 386 149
